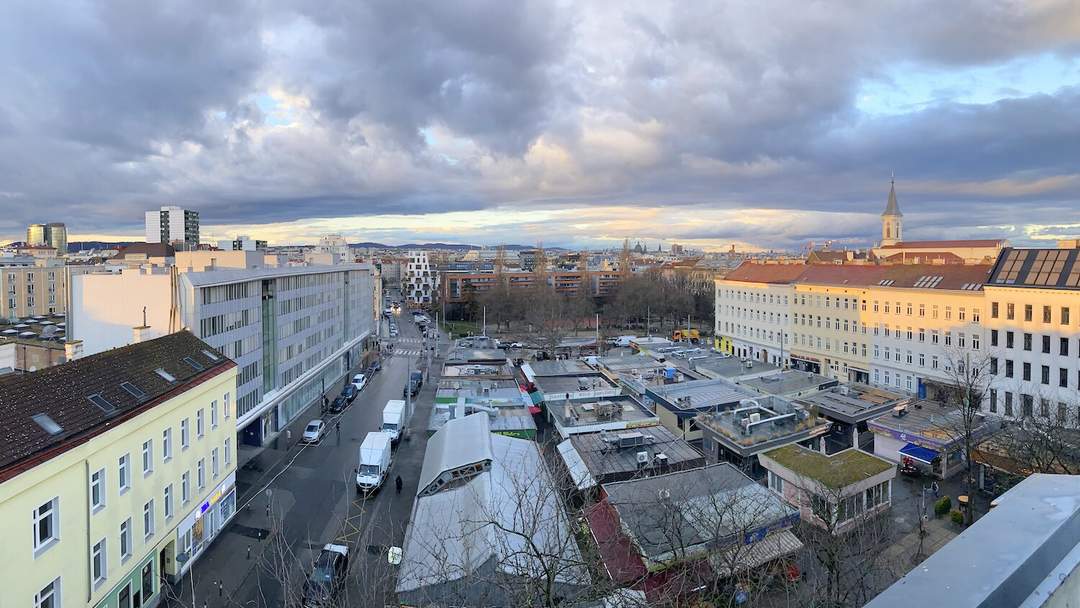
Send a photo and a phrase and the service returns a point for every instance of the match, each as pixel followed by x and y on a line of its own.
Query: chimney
pixel 140 333
pixel 73 349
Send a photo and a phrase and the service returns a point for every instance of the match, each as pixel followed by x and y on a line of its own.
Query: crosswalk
pixel 409 340
pixel 405 353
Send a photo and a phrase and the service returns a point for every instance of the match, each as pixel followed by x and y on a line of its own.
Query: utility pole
pixel 648 321
pixel 598 334
pixel 483 331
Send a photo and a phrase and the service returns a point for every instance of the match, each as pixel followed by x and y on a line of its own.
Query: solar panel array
pixel 1040 268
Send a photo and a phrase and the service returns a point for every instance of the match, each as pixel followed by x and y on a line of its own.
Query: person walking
pixel 338 427
pixel 397 484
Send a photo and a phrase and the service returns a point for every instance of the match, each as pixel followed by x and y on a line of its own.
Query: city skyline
pixel 763 127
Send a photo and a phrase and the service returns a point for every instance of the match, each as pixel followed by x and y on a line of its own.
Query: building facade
pixel 27 291
pixel 421 282
pixel 125 470
pixel 175 226
pixel 1033 300
pixel 242 243
pixel 291 330
pixel 753 308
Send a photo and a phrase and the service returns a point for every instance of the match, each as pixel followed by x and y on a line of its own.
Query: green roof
pixel 836 471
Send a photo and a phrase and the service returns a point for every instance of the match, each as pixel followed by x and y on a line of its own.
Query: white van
pixel 375 460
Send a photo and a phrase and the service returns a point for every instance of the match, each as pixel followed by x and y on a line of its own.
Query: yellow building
pixel 123 465
pixel 39 288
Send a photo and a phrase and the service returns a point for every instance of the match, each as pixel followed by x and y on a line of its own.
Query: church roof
pixel 892 208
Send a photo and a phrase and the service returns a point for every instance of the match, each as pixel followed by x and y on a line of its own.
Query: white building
pixel 421 280
pixel 242 242
pixel 331 249
pixel 319 319
pixel 753 306
pixel 173 225
pixel 1034 325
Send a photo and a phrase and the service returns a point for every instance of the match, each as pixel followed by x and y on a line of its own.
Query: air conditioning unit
pixel 661 460
pixel 843 389
pixel 755 417
pixel 642 458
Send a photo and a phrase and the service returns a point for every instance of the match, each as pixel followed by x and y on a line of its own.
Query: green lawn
pixel 462 328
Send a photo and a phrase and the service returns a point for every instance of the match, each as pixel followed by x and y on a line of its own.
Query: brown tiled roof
pixel 753 272
pixel 941 257
pixel 969 277
pixel 943 244
pixel 63 394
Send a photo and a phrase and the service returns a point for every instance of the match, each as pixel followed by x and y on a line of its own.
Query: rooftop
pixel 225 276
pixel 604 458
pixel 629 363
pixel 597 410
pixel 488 391
pixel 752 272
pixel 696 395
pixel 852 403
pixel 563 367
pixel 461 354
pixel 1024 552
pixel 930 421
pixel 1041 268
pixel 555 386
pixel 731 368
pixel 762 423
pixel 836 471
pixel 46 329
pixel 789 383
pixel 463 370
pixel 943 244
pixel 88 396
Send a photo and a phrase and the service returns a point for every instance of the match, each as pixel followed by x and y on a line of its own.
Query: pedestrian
pixel 338 427
pixel 397 484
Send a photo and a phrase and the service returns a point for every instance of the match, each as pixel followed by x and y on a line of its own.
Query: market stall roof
pixel 919 453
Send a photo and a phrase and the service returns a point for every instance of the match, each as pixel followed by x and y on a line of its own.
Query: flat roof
pixel 730 367
pixel 208 278
pixel 699 394
pixel 789 382
pixel 1019 554
pixel 836 471
pixel 466 370
pixel 779 422
pixel 460 354
pixel 563 367
pixel 553 386
pixel 629 363
pixel 598 410
pixel 852 403
pixel 605 459
pixel 929 420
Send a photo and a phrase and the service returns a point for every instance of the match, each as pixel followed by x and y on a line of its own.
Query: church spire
pixel 892 208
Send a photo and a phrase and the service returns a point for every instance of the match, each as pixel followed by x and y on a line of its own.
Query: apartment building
pixel 173 225
pixel 828 336
pixel 753 308
pixel 292 330
pixel 33 290
pixel 123 466
pixel 1033 299
pixel 421 281
pixel 52 235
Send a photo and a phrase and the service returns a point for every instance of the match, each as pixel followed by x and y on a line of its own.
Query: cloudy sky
pixel 760 123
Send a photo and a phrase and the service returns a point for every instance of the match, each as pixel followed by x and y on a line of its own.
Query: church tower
pixel 892 221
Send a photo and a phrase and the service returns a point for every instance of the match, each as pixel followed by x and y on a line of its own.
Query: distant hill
pixel 450 246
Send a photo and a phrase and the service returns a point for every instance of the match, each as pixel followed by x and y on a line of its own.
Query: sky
pixel 761 124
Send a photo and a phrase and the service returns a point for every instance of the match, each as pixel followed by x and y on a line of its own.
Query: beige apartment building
pixel 29 291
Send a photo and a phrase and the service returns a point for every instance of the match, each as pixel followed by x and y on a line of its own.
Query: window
pixel 934 362
pixel 49 596
pixel 228 452
pixel 1064 315
pixel 123 473
pixel 184 434
pixel 1027 371
pixel 168 501
pixel 199 424
pixel 1044 407
pixel 185 487
pixel 934 336
pixel 993 401
pixel 776 483
pixel 1008 404
pixel 993 337
pixel 922 310
pixel 166 445
pixel 46 525
pixel 975 341
pixel 125 539
pixel 962 314
pixel 948 338
pixel 993 365
pixel 97 490
pixel 214 462
pixel 1046 314
pixel 148 457
pixel 961 340
pixel 97 562
pixel 1027 341
pixel 1026 405
pixel 974 315
pixel 225 406
pixel 948 313
pixel 1045 375
pixel 994 310
pixel 1063 377
pixel 1063 347
pixel 1028 312
pixel 1008 368
pixel 1009 340
pixel 148 519
pixel 200 473
pixel 1010 311
pixel 922 360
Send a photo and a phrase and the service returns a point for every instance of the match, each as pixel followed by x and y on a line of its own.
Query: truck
pixel 375 460
pixel 693 335
pixel 395 419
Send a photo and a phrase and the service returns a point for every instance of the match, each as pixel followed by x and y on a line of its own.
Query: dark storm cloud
pixel 260 112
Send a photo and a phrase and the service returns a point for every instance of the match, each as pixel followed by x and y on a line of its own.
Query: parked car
pixel 359 381
pixel 327 577
pixel 349 392
pixel 375 366
pixel 416 380
pixel 313 432
pixel 339 404
pixel 393 332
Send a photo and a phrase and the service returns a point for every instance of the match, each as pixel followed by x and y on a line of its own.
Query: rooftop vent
pixel 194 364
pixel 134 390
pixel 164 374
pixel 102 403
pixel 210 355
pixel 47 424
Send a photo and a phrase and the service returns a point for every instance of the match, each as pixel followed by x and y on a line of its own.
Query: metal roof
pixel 463 441
pixel 603 460
pixel 226 276
pixel 702 394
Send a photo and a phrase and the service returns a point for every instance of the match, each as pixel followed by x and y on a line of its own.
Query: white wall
pixel 105 308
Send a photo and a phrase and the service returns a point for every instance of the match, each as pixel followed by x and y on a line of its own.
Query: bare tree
pixel 969 379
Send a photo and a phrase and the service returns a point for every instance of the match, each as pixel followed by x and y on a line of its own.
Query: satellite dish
pixel 49 331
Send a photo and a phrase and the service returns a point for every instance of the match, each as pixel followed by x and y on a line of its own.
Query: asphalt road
pixel 313 501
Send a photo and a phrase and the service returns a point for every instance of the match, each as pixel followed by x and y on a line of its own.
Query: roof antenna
pixel 144 316
pixel 892 177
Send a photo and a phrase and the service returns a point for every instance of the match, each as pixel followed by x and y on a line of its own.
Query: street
pixel 264 555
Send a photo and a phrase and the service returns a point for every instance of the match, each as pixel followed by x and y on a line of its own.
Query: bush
pixel 957 518
pixel 942 506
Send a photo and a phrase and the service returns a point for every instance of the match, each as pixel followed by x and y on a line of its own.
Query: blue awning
pixel 919 453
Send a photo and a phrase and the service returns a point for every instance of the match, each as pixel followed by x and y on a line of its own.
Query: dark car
pixel 374 367
pixel 339 404
pixel 327 577
pixel 416 380
pixel 349 392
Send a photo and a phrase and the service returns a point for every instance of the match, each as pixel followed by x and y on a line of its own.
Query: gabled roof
pixel 964 277
pixel 945 244
pixel 752 272
pixel 89 396
pixel 150 250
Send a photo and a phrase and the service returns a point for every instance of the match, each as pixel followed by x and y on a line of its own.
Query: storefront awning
pixel 919 453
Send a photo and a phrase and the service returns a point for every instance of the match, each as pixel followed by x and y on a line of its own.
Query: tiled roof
pixel 941 257
pixel 945 244
pixel 751 272
pixel 63 394
pixel 150 250
pixel 1042 268
pixel 964 277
